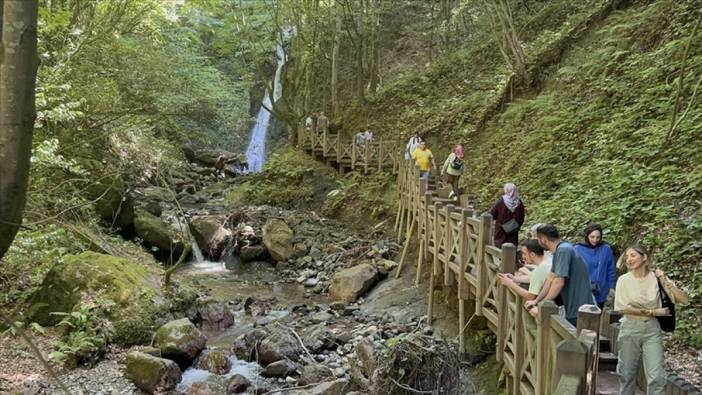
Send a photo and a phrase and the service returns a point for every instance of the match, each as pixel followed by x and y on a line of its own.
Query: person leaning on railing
pixel 639 299
pixel 533 254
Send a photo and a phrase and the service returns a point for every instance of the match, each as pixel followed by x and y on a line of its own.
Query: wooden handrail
pixel 543 354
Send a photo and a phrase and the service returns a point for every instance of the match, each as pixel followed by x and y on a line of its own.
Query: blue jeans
pixel 424 175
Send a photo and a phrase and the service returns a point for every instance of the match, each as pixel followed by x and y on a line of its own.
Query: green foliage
pixel 358 199
pixel 30 257
pixel 82 341
pixel 289 179
pixel 590 146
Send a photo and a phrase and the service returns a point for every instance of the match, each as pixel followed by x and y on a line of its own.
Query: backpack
pixel 457 163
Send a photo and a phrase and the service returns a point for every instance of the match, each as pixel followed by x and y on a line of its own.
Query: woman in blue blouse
pixel 599 258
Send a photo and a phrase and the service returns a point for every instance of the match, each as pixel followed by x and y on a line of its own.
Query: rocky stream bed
pixel 276 302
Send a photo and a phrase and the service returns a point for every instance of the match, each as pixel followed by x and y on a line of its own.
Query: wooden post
pixel 324 143
pixel 408 239
pixel 449 244
pixel 366 147
pixel 519 341
pixel 463 254
pixel 433 270
pixel 339 151
pixel 543 351
pixel 353 154
pixel 483 240
pixel 509 265
pixel 425 236
pixel 571 361
pixel 588 318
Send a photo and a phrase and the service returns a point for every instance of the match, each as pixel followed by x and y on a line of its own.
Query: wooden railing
pixel 541 355
pixel 374 155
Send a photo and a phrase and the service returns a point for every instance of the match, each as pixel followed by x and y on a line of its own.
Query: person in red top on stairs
pixel 508 213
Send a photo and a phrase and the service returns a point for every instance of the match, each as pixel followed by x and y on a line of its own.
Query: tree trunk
pixel 18 69
pixel 335 68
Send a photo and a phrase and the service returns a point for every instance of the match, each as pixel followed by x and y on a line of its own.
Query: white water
pixel 197 253
pixel 256 153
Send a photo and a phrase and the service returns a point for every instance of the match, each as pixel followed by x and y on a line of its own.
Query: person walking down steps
pixel 645 299
pixel 412 145
pixel 453 168
pixel 424 159
pixel 508 213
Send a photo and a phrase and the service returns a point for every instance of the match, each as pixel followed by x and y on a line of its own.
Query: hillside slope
pixel 587 141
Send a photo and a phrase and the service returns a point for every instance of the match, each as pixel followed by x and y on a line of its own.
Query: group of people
pixel 317 122
pixel 584 274
pixel 573 275
pixel 423 158
pixel 363 137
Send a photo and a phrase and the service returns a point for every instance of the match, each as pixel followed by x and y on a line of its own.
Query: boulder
pixel 210 235
pixel 157 233
pixel 200 388
pixel 180 341
pixel 214 361
pixel 252 252
pixel 278 237
pixel 129 291
pixel 208 157
pixel 237 384
pixel 152 374
pixel 213 314
pixel 318 338
pixel 349 284
pixel 315 373
pixel 152 207
pixel 246 345
pixel 335 387
pixel 280 369
pixel 112 204
pixel 156 194
pixel 279 344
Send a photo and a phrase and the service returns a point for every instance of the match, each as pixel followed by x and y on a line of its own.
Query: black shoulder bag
pixel 667 322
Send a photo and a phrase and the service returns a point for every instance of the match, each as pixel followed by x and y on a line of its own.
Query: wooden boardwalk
pixel 541 355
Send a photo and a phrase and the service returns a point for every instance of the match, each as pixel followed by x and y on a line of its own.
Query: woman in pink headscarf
pixel 508 213
pixel 453 168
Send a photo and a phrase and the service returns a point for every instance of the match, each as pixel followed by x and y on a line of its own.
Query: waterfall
pixel 197 253
pixel 256 153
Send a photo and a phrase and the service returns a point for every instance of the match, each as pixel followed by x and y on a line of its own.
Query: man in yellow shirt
pixel 424 159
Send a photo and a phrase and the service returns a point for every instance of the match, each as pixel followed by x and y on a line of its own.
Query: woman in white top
pixel 640 337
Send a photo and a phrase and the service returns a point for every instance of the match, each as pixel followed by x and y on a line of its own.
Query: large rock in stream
pixel 180 341
pixel 158 233
pixel 278 237
pixel 279 344
pixel 349 284
pixel 210 234
pixel 112 204
pixel 130 293
pixel 152 374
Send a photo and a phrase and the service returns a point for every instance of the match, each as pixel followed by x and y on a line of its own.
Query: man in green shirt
pixel 569 275
pixel 533 254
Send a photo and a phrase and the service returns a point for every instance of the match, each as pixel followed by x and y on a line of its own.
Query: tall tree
pixel 18 70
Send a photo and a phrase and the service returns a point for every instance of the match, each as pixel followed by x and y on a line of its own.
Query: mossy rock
pixel 180 341
pixel 152 374
pixel 158 233
pixel 112 204
pixel 129 293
